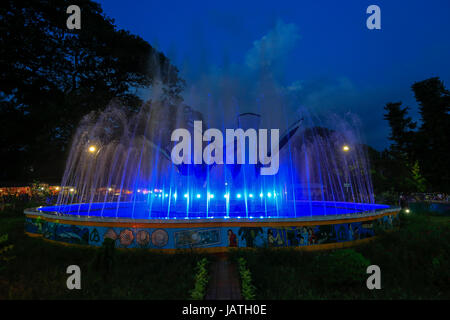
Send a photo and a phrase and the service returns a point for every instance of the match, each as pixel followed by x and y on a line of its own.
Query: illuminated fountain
pixel 120 183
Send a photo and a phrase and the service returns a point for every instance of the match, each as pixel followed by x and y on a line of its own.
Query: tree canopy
pixel 50 77
pixel 419 158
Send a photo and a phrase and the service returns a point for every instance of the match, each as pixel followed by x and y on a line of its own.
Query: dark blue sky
pixel 321 52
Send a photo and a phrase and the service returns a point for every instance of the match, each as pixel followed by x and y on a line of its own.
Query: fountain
pixel 120 183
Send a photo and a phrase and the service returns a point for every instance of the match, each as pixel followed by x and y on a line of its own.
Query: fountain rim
pixel 256 221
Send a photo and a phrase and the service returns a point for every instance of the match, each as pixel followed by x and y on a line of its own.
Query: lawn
pixel 38 270
pixel 414 263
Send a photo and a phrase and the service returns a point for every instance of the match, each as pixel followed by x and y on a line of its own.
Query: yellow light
pixel 57 188
pixel 92 149
pixel 109 189
pixel 72 190
pixel 407 211
pixel 345 148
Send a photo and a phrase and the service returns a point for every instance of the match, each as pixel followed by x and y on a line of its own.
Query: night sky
pixel 320 54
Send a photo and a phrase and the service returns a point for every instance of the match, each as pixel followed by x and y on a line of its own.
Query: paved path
pixel 224 281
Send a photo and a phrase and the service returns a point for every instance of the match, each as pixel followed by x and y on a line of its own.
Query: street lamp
pixel 347 185
pixel 92 149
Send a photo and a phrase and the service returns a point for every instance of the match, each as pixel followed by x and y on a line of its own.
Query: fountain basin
pixel 315 225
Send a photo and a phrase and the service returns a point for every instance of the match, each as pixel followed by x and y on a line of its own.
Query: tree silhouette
pixel 51 76
pixel 433 140
pixel 418 159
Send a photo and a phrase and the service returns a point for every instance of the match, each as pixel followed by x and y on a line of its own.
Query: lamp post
pixel 347 185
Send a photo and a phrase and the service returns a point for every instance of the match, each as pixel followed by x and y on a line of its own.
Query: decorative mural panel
pixel 224 236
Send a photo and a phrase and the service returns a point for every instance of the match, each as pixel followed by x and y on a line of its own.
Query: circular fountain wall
pixel 333 225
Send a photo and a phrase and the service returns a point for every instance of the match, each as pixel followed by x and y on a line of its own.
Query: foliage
pixel 401 126
pixel 341 267
pixel 39 270
pixel 50 77
pixel 414 262
pixel 417 177
pixel 247 288
pixel 4 251
pixel 433 138
pixel 387 197
pixel 417 159
pixel 201 280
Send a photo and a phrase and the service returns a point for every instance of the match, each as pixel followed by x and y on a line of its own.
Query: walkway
pixel 224 282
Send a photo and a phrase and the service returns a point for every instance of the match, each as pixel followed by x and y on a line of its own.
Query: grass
pixel 38 270
pixel 414 263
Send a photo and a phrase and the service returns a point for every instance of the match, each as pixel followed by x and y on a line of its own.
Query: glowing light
pixel 71 189
pixel 239 195
pixel 407 211
pixel 175 195
pixel 345 148
pixel 185 195
pixel 57 188
pixel 269 194
pixel 250 195
pixel 92 149
pixel 198 195
pixel 138 190
pixel 166 195
pixel 109 189
pixel 226 195
pixel 210 195
pixel 261 195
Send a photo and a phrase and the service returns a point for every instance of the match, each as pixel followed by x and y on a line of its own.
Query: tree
pixel 418 160
pixel 418 180
pixel 401 126
pixel 51 76
pixel 433 140
pixel 398 159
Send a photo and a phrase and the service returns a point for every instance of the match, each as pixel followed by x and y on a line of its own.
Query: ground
pixel 38 270
pixel 414 262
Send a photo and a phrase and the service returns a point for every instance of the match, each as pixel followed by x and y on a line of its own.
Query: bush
pixel 201 280
pixel 4 251
pixel 248 290
pixel 344 267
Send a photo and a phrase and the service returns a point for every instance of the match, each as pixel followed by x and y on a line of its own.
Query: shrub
pixel 248 290
pixel 344 267
pixel 201 280
pixel 4 251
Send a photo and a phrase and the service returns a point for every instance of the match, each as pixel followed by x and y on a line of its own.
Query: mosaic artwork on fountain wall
pixel 182 238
